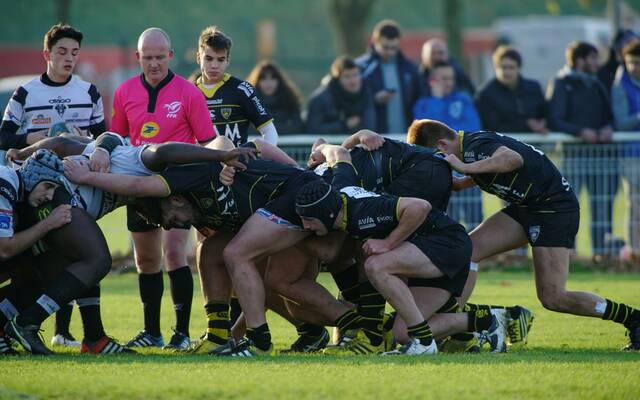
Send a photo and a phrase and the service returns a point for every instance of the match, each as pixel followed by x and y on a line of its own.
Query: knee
pixel 174 256
pixel 101 263
pixel 552 300
pixel 233 255
pixel 374 268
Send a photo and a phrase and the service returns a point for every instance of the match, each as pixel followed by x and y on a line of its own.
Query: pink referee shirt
pixel 173 111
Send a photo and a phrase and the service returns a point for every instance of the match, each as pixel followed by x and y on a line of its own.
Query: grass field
pixel 567 357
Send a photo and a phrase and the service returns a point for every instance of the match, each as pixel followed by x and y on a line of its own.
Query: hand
pixel 235 157
pixel 370 140
pixel 383 96
pixel 375 246
pixel 226 175
pixel 75 171
pixel 353 121
pixel 60 216
pixel 456 164
pixel 13 155
pixel 606 134
pixel 316 157
pixel 99 160
pixel 588 135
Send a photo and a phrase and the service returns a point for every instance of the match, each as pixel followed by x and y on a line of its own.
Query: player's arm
pixel 365 137
pixel 61 145
pixel 124 185
pixel 269 133
pixel 21 241
pixel 158 156
pixel 334 154
pixel 502 160
pixel 411 213
pixel 274 153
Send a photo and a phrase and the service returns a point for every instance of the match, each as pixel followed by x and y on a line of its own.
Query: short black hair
pixel 341 64
pixel 579 50
pixel 509 52
pixel 386 28
pixel 213 37
pixel 632 48
pixel 61 31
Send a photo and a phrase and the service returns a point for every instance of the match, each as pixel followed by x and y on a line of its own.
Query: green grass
pixel 567 357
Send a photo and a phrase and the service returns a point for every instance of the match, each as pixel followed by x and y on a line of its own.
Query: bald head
pixel 154 37
pixel 434 51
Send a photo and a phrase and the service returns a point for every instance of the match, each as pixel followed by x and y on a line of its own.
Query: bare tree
pixel 453 26
pixel 350 18
pixel 62 10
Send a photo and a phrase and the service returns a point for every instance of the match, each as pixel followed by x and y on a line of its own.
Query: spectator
pixel 579 105
pixel 435 51
pixel 279 95
pixel 456 109
pixel 607 73
pixel 57 97
pixel 343 104
pixel 391 77
pixel 626 112
pixel 509 102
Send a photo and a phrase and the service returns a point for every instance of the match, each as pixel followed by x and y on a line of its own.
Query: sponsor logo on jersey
pixel 8 194
pixel 173 109
pixel 534 233
pixel 214 102
pixel 149 130
pixel 206 202
pixel 6 219
pixel 246 88
pixel 365 223
pixel 357 192
pixel 384 218
pixel 259 106
pixel 232 133
pixel 226 112
pixel 60 104
pixel 41 120
pixel 12 117
pixel 469 156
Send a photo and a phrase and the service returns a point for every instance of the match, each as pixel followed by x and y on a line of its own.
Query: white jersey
pixel 42 103
pixel 9 191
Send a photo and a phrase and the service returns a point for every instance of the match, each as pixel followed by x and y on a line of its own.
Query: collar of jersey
pixel 210 92
pixel 44 78
pixel 160 85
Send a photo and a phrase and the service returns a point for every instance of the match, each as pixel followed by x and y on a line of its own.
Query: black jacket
pixel 324 114
pixel 577 101
pixel 408 76
pixel 504 110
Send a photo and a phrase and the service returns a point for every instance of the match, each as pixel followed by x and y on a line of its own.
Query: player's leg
pixel 174 244
pixel 255 240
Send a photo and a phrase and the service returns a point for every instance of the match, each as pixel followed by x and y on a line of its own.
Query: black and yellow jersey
pixel 537 185
pixel 233 105
pixel 228 207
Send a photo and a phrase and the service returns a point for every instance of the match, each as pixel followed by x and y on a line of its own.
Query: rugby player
pixel 542 211
pixel 156 107
pixel 233 103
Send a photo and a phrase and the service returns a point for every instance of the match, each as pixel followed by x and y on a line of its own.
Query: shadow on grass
pixel 537 355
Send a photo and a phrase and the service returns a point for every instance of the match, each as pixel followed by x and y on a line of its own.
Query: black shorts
pixel 450 251
pixel 428 179
pixel 557 229
pixel 284 204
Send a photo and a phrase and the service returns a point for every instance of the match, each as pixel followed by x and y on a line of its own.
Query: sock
pixel 348 320
pixel 371 309
pixel 621 313
pixel 347 282
pixel 62 290
pixel 451 306
pixel 218 329
pixel 234 310
pixel 474 307
pixel 479 320
pixel 181 282
pixel 463 337
pixel 422 332
pixel 310 330
pixel 89 306
pixel 63 319
pixel 151 288
pixel 389 320
pixel 260 336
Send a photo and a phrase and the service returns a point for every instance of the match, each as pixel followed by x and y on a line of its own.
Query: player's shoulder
pixel 241 85
pixel 9 183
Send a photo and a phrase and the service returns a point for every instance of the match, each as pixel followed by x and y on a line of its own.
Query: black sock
pixel 89 306
pixel 234 310
pixel 260 336
pixel 451 306
pixel 422 332
pixel 63 319
pixel 463 337
pixel 349 320
pixel 621 313
pixel 388 323
pixel 181 282
pixel 479 320
pixel 474 307
pixel 151 288
pixel 347 282
pixel 218 329
pixel 62 290
pixel 371 309
pixel 310 330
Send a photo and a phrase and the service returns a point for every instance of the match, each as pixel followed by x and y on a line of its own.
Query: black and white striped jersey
pixel 41 103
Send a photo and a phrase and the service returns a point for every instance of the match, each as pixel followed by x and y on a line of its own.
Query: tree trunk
pixel 350 18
